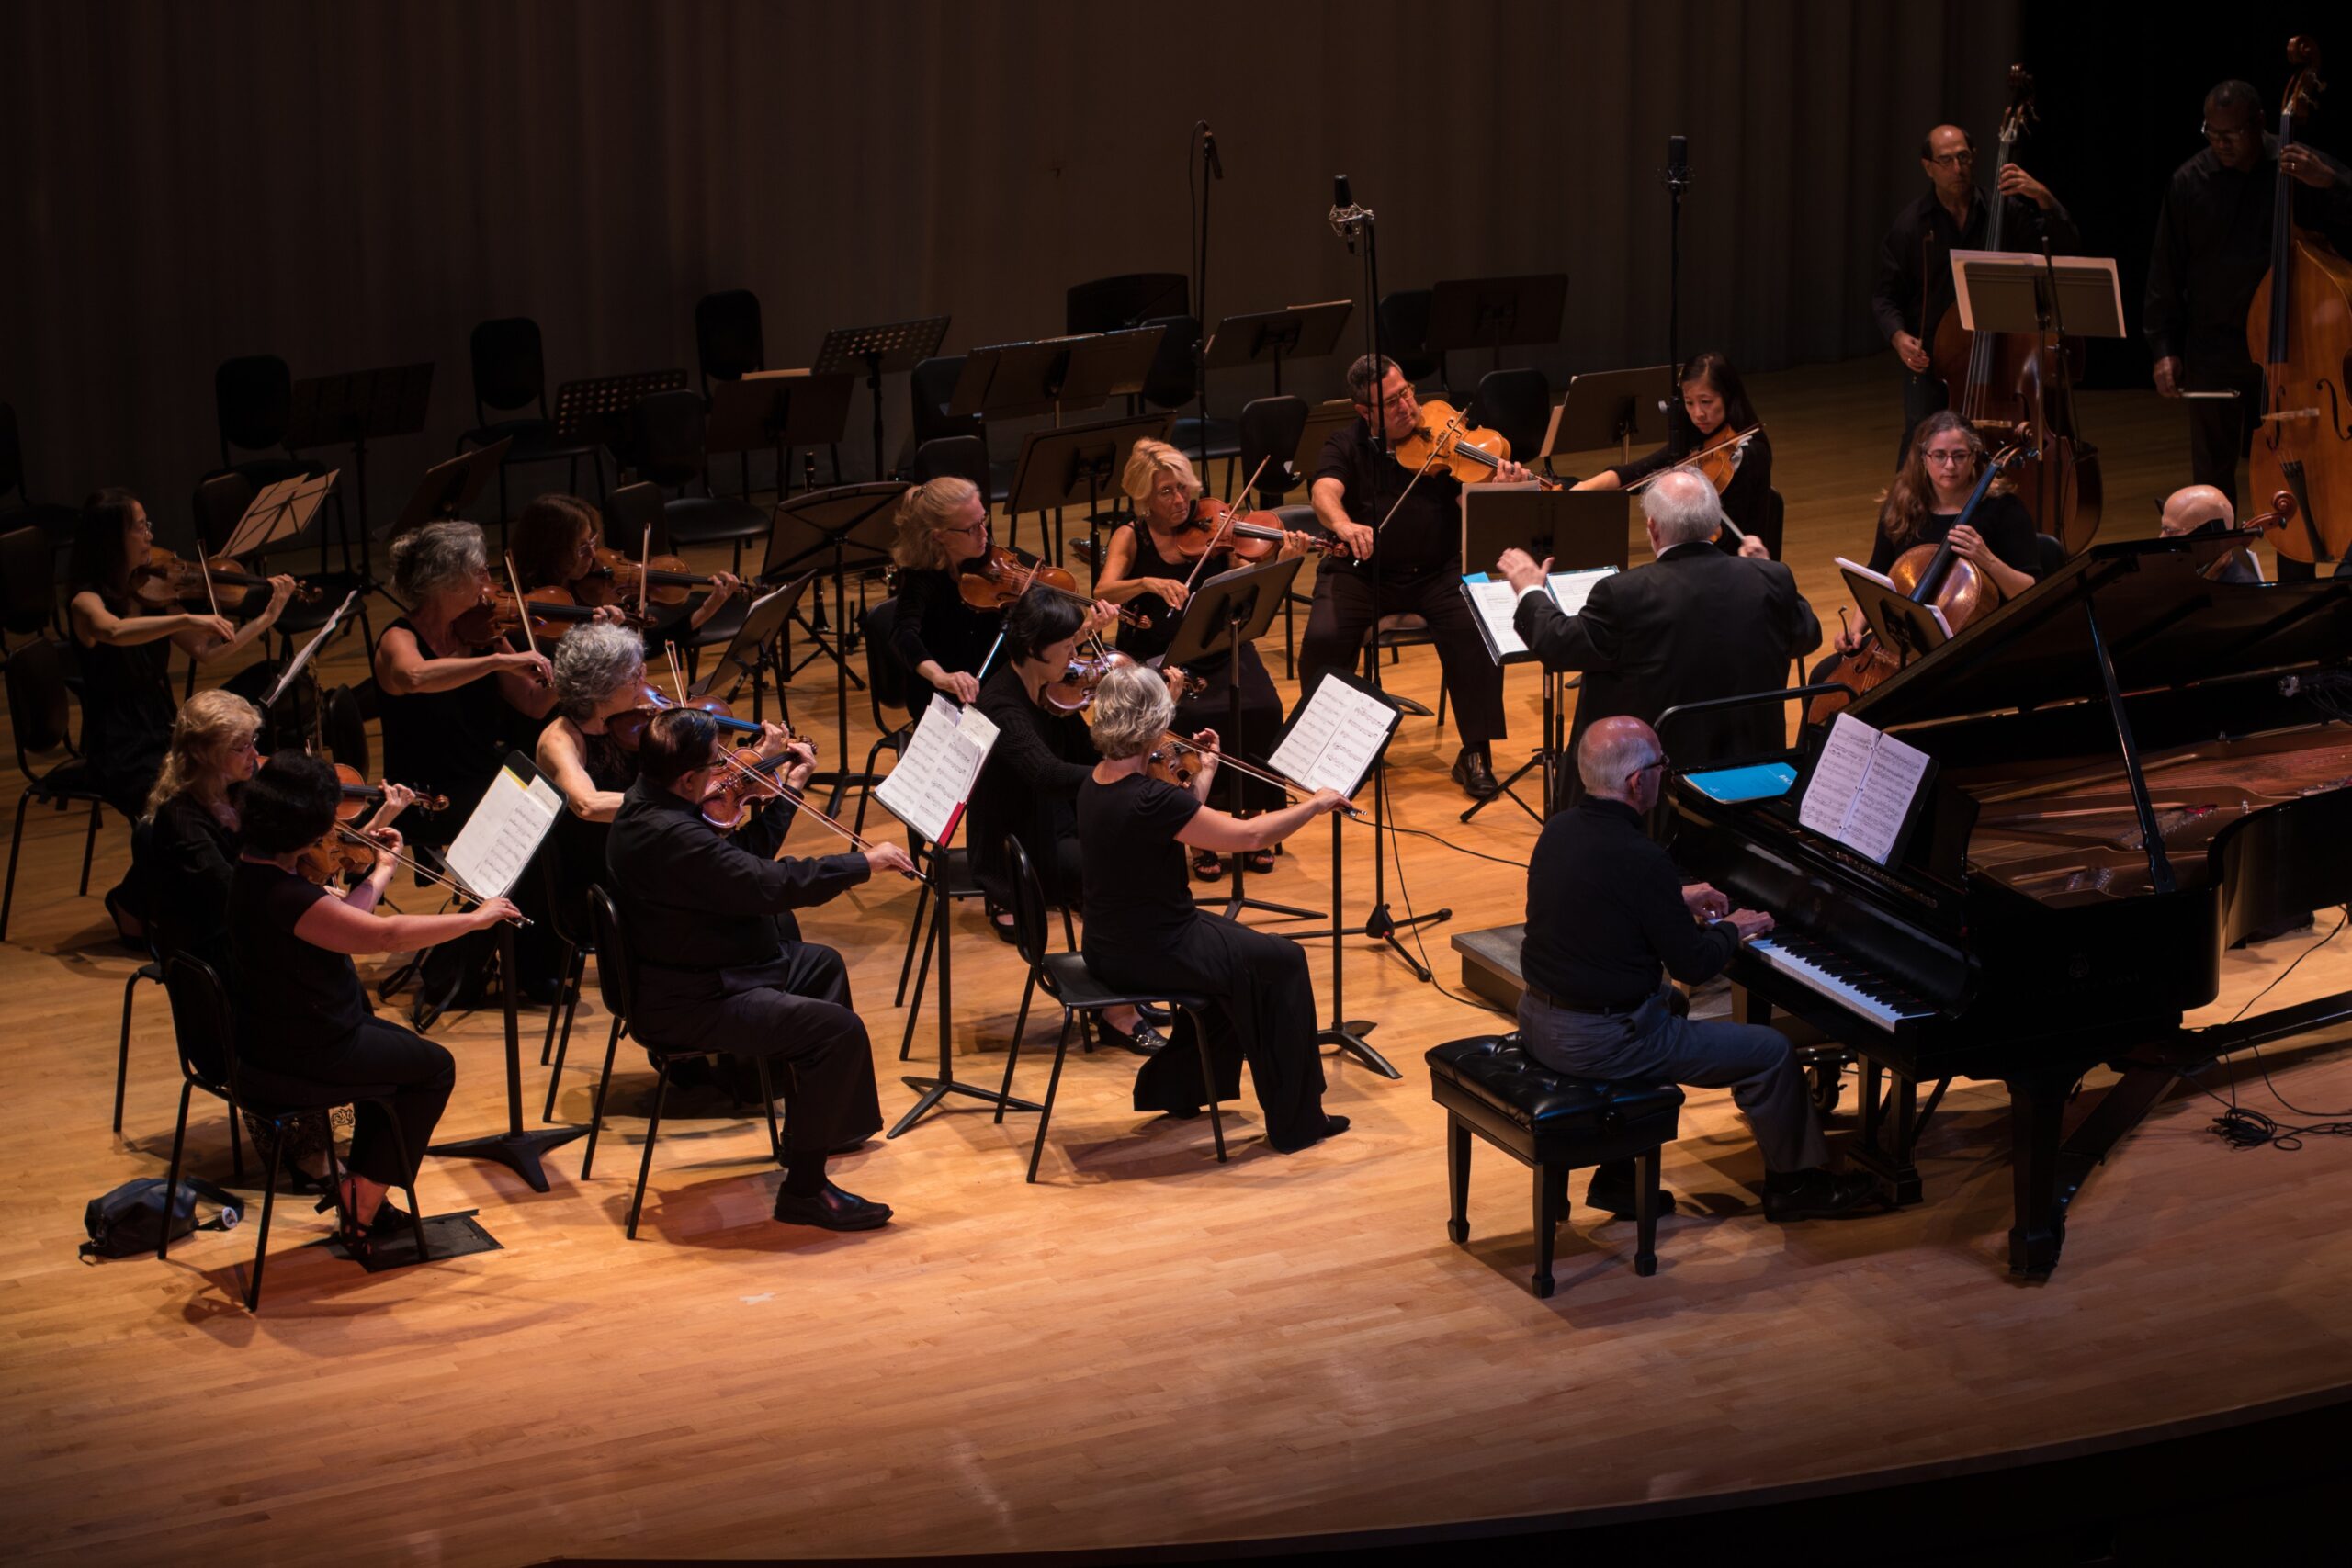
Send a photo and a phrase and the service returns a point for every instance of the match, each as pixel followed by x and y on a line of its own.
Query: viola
pixel 1000 576
pixel 750 778
pixel 1250 535
pixel 163 579
pixel 618 579
pixel 1444 442
pixel 626 729
pixel 1176 761
pixel 552 612
pixel 1074 693
pixel 1716 459
pixel 2299 331
pixel 2224 543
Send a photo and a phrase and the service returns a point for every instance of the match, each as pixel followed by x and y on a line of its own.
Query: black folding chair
pixel 38 712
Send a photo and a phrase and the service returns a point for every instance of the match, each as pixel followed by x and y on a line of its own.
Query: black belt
pixel 1565 1004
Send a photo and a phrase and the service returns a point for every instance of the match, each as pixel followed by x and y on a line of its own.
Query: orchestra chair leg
pixel 1012 1047
pixel 1547 1219
pixel 767 1103
pixel 547 1045
pixel 569 1000
pixel 268 1204
pixel 1457 1179
pixel 1208 1086
pixel 1646 1174
pixel 922 973
pixel 596 1111
pixel 16 844
pixel 415 1209
pixel 1052 1087
pixel 653 1130
pixel 907 964
pixel 89 848
pixel 237 1145
pixel 1070 931
pixel 122 1052
pixel 172 1176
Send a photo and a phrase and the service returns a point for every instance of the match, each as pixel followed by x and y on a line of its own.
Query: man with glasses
pixel 1915 263
pixel 2212 250
pixel 1608 916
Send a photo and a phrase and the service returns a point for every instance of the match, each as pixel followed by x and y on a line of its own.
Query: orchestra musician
pixel 1144 932
pixel 1713 400
pixel 1915 285
pixel 303 1017
pixel 2211 251
pixel 1145 564
pixel 2203 509
pixel 1691 625
pixel 554 543
pixel 720 964
pixel 1410 563
pixel 1608 917
pixel 940 639
pixel 123 651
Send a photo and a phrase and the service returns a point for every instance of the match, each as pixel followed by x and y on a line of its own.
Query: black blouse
pixel 127 709
pixel 444 743
pixel 1147 643
pixel 934 622
pixel 1745 499
pixel 2002 520
pixel 191 863
pixel 1139 893
pixel 296 1000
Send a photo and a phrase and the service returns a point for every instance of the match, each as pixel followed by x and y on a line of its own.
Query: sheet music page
pixel 294 666
pixel 1297 756
pixel 1571 589
pixel 491 851
pixel 1495 601
pixel 932 782
pixel 1837 777
pixel 1861 788
pixel 1856 568
pixel 1336 740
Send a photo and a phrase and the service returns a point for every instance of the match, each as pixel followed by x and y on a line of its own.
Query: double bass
pixel 2300 329
pixel 2007 380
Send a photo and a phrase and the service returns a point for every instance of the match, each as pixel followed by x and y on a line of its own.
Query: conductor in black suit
pixel 1693 625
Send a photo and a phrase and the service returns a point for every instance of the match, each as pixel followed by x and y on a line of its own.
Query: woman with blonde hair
pixel 939 639
pixel 1144 932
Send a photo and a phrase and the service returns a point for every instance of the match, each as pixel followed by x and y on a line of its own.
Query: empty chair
pixel 929 388
pixel 966 456
pixel 1405 333
pixel 254 399
pixel 1518 405
pixel 38 718
pixel 28 584
pixel 1173 381
pixel 53 519
pixel 510 373
pixel 1268 436
pixel 727 335
pixel 669 428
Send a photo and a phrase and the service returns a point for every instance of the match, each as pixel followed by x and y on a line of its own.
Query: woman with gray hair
pixel 1143 930
pixel 599 671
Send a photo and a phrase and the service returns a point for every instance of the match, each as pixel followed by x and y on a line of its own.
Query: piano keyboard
pixel 1852 986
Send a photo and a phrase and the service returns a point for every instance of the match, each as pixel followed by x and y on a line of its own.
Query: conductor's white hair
pixel 1683 508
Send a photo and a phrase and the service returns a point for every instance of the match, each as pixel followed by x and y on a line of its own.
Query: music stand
pixel 1103 366
pixel 1232 608
pixel 1496 313
pixel 2007 292
pixel 1611 408
pixel 450 486
pixel 754 644
pixel 355 408
pixel 778 409
pixel 1908 627
pixel 279 515
pixel 1577 528
pixel 1296 332
pixel 1065 467
pixel 848 527
pixel 890 348
pixel 597 410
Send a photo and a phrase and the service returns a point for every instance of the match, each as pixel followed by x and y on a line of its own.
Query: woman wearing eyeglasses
pixel 941 641
pixel 1924 504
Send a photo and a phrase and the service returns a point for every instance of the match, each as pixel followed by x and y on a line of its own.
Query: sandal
pixel 356 1236
pixel 1259 861
pixel 1208 865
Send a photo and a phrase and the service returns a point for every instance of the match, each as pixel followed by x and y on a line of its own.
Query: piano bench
pixel 1552 1124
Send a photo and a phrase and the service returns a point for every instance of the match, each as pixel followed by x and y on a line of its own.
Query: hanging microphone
pixel 1678 164
pixel 1346 217
pixel 1208 147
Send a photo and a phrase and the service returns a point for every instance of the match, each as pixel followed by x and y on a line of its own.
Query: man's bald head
pixel 1613 752
pixel 2190 507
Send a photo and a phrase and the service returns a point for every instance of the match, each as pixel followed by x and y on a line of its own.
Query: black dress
pixel 934 622
pixel 1029 788
pixel 1144 932
pixel 1747 500
pixel 444 743
pixel 1212 707
pixel 126 710
pixel 309 1024
pixel 2002 520
pixel 191 861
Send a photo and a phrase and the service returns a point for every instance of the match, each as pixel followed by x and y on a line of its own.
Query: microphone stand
pixel 1678 180
pixel 1212 170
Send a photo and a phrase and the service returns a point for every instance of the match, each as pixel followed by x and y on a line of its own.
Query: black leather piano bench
pixel 1552 1124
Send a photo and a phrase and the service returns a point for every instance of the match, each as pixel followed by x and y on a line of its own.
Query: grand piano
pixel 2135 768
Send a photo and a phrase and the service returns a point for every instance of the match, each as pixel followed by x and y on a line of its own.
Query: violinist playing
pixel 554 544
pixel 302 1016
pixel 939 639
pixel 1714 407
pixel 1145 565
pixel 720 964
pixel 1409 563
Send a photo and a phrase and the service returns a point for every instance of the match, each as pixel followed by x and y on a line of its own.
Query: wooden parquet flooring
pixel 1146 1347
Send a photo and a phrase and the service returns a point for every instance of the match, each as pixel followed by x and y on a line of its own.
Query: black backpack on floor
pixel 130 1220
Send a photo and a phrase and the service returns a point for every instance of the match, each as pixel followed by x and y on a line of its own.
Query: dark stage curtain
pixel 349 185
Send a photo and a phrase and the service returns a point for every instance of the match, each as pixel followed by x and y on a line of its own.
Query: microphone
pixel 1678 164
pixel 1346 217
pixel 1208 147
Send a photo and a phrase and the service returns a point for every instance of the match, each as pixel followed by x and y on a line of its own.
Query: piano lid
pixel 2164 625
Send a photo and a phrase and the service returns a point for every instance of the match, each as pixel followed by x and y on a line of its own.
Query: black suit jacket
pixel 1693 625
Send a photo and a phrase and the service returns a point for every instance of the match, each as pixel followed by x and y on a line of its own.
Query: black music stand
pixel 891 348
pixel 1296 332
pixel 450 486
pixel 279 515
pixel 778 409
pixel 849 528
pixel 755 644
pixel 1908 627
pixel 1611 408
pixel 352 409
pixel 1054 375
pixel 598 409
pixel 1496 313
pixel 1229 609
pixel 1067 467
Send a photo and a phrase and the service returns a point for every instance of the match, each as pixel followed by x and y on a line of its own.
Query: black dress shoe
pixel 1616 1199
pixel 1332 1127
pixel 1145 1040
pixel 1476 779
pixel 1822 1195
pixel 831 1210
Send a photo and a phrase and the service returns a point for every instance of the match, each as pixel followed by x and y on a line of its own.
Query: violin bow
pixel 424 873
pixel 1223 523
pixel 644 570
pixel 522 606
pixel 776 789
pixel 1288 786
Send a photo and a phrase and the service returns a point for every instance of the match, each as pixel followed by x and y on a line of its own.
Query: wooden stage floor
pixel 1146 1347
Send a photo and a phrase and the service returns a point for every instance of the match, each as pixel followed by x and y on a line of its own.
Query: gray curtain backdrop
pixel 350 185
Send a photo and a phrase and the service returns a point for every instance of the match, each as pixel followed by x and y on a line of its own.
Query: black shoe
pixel 2286 925
pixel 1476 779
pixel 831 1210
pixel 1332 1127
pixel 1615 1199
pixel 1155 1015
pixel 1822 1195
pixel 1145 1040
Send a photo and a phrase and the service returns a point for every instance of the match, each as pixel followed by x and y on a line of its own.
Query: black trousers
pixel 795 1011
pixel 1344 611
pixel 376 1055
pixel 1261 719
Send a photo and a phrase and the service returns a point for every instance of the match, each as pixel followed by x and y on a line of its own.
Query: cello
pixel 2300 329
pixel 2005 380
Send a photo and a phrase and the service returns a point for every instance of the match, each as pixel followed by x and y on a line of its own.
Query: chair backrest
pixel 1518 404
pixel 1405 332
pixel 1172 379
pixel 12 455
pixel 27 581
pixel 567 916
pixel 344 729
pixel 220 505
pixel 254 398
pixel 1107 304
pixel 1270 428
pixel 885 683
pixel 668 437
pixel 613 980
pixel 967 457
pixel 2049 552
pixel 930 386
pixel 629 511
pixel 201 1022
pixel 727 335
pixel 37 711
pixel 1028 904
pixel 509 365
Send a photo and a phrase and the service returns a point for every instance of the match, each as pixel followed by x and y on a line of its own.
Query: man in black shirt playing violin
pixel 1403 531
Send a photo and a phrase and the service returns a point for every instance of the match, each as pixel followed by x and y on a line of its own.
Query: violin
pixel 1444 442
pixel 2299 331
pixel 341 848
pixel 1074 693
pixel 750 778
pixel 1250 535
pixel 1716 459
pixel 1000 576
pixel 1176 761
pixel 552 612
pixel 626 729
pixel 163 579
pixel 618 579
pixel 2246 533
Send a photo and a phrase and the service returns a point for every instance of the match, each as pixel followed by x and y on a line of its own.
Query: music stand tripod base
pixel 519 1150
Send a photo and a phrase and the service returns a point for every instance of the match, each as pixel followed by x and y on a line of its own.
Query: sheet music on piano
pixel 1863 788
pixel 1336 738
pixel 495 848
pixel 928 789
